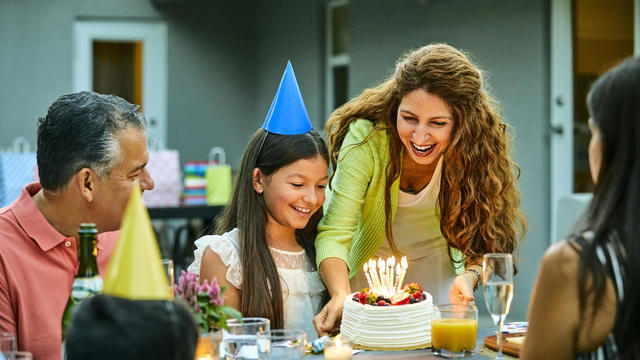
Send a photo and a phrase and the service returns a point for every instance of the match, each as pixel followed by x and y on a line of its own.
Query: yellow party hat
pixel 135 270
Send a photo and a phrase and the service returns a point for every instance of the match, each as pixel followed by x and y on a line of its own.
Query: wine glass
pixel 497 284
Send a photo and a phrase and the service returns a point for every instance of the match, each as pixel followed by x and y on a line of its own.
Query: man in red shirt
pixel 92 149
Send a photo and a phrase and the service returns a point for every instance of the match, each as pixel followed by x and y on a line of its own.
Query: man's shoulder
pixel 8 220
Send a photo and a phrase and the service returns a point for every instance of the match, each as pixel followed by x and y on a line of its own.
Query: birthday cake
pixel 388 318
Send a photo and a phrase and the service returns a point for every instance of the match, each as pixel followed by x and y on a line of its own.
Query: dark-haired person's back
pixel 595 311
pixel 92 149
pixel 108 327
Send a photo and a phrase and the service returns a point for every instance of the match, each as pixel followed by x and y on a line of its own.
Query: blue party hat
pixel 287 114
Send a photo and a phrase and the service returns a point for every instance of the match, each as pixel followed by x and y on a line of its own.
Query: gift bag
pixel 164 168
pixel 17 166
pixel 218 177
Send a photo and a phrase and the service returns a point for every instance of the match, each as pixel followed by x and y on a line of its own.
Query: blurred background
pixel 205 72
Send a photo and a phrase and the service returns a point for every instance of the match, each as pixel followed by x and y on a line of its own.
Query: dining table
pixel 418 354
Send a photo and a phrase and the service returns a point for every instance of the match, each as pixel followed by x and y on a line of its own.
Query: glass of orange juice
pixel 453 330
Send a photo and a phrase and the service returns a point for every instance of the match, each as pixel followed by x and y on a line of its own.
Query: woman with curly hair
pixel 422 168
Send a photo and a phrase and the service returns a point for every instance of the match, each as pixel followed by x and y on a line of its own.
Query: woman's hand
pixel 461 291
pixel 329 317
pixel 336 277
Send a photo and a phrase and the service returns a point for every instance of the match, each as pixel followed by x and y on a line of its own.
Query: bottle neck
pixel 88 266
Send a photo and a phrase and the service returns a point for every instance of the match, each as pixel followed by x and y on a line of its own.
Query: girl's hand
pixel 461 291
pixel 329 317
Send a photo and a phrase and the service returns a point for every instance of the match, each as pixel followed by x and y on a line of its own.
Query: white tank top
pixel 416 232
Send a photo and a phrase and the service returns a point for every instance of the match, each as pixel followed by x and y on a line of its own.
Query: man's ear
pixel 258 179
pixel 85 181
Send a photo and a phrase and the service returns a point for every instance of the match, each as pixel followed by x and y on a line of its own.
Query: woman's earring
pixel 260 192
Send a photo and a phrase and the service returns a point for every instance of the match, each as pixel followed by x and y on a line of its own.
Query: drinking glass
pixel 281 344
pixel 168 268
pixel 453 330
pixel 18 355
pixel 497 285
pixel 239 342
pixel 7 342
pixel 208 346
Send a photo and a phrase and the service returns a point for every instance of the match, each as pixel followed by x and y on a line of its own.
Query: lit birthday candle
pixel 374 276
pixel 395 284
pixel 391 262
pixel 365 268
pixel 403 272
pixel 383 276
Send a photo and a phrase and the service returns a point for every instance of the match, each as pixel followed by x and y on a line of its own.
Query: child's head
pixel 282 177
pixel 290 175
pixel 110 327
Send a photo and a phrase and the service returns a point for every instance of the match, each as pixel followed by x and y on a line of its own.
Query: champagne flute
pixel 497 285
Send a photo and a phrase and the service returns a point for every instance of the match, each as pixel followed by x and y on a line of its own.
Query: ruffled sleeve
pixel 226 246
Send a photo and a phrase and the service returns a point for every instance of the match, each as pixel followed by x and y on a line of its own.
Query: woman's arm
pixel 461 291
pixel 345 196
pixel 338 226
pixel 553 310
pixel 335 275
pixel 212 266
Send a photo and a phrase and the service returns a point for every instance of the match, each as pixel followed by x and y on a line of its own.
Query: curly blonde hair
pixel 479 201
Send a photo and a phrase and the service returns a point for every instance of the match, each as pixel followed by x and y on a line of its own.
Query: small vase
pixel 208 347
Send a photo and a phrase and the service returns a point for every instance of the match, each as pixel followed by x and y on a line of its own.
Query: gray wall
pixel 226 60
pixel 290 30
pixel 35 55
pixel 211 78
pixel 509 39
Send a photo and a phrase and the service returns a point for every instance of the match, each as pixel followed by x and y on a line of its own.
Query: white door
pixel 153 36
pixel 565 203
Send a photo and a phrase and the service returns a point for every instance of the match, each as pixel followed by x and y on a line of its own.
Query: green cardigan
pixel 353 226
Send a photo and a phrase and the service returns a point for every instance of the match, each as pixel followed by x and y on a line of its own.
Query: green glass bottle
pixel 87 281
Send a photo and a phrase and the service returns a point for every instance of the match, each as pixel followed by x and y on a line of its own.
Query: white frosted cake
pixel 392 325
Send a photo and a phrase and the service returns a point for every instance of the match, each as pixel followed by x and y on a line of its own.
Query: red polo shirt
pixel 37 266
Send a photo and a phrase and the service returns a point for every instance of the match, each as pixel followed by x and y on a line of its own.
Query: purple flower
pixel 209 313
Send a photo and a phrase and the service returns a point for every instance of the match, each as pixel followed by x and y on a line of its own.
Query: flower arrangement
pixel 205 301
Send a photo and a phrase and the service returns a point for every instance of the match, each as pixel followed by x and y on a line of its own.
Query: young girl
pixel 263 251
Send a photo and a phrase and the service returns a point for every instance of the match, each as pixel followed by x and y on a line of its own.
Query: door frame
pixel 153 35
pixel 561 126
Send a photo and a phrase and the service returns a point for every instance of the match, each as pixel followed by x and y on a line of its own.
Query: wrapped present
pixel 17 169
pixel 218 176
pixel 195 183
pixel 164 168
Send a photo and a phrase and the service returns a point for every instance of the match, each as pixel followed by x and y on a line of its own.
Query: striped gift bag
pixel 17 169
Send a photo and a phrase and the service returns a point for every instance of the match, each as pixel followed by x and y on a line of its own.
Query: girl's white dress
pixel 301 285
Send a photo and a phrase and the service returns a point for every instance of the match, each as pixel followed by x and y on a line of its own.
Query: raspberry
pixel 381 302
pixel 417 295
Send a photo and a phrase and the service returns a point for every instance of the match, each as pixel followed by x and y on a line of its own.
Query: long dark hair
pixel 479 202
pixel 261 290
pixel 614 106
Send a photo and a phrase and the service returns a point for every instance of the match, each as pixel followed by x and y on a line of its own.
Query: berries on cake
pixel 387 315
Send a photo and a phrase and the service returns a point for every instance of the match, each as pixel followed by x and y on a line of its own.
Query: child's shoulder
pixel 227 241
